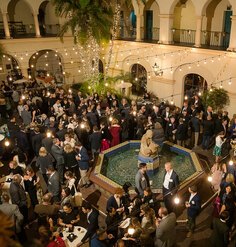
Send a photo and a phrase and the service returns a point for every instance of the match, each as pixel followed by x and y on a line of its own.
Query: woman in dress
pixel 217 175
pixel 65 196
pixel 115 132
pixel 217 149
pixel 30 181
pixel 44 161
pixel 70 159
pixel 106 137
pixel 70 182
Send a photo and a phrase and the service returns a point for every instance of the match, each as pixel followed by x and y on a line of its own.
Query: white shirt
pixel 88 215
pixel 167 179
pixel 191 196
pixel 117 200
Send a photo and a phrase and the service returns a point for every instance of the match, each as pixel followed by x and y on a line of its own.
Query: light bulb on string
pixel 198 64
pixel 172 100
pixel 180 69
pixel 199 93
pixel 0 68
pixel 171 70
pixel 205 62
pixel 212 60
pixel 106 84
pixel 211 89
pixel 230 82
pixel 189 67
pixel 186 97
pixel 221 85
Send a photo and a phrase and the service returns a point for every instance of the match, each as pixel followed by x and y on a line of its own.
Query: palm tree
pixel 86 18
pixel 91 23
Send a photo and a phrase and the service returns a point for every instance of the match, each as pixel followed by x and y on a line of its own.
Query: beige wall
pixel 185 16
pixel 23 7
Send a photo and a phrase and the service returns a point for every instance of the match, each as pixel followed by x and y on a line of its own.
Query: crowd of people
pixel 56 135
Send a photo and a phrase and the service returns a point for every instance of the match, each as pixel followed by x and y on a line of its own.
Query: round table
pixel 79 231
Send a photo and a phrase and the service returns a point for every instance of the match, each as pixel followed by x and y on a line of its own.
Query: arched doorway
pixel 151 20
pixel 194 83
pixel 48 21
pixel 21 21
pixel 100 66
pixel 9 68
pixel 139 79
pixel 46 65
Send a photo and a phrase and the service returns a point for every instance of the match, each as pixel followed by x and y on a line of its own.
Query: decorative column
pixel 232 42
pixel 166 24
pixel 138 27
pixel 36 24
pixel 6 26
pixel 198 32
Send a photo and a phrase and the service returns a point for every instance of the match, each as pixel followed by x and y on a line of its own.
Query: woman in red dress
pixel 115 132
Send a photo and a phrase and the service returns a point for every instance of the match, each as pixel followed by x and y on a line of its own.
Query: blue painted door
pixel 149 24
pixel 227 28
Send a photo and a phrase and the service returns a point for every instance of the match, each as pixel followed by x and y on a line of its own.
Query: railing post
pixel 6 26
pixel 166 34
pixel 36 24
pixel 232 42
pixel 198 32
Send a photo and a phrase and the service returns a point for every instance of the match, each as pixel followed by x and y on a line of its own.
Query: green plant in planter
pixel 98 85
pixel 217 98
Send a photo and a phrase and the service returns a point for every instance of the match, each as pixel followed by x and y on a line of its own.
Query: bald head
pixel 168 167
pixel 17 178
pixel 162 212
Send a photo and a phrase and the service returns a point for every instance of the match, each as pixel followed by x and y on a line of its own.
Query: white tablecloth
pixel 78 231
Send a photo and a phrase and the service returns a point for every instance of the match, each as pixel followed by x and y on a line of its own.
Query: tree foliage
pixel 85 18
pixel 217 98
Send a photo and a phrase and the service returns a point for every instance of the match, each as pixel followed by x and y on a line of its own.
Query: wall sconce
pixel 157 70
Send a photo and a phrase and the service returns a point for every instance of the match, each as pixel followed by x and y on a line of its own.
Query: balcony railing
pixel 214 38
pixel 20 30
pixel 209 39
pixel 184 36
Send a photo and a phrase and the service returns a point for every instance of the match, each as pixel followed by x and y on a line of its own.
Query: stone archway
pixel 9 68
pixel 194 83
pixel 139 79
pixel 46 65
pixel 20 24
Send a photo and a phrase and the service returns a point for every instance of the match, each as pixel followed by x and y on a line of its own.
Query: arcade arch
pixel 46 65
pixel 139 79
pixel 194 83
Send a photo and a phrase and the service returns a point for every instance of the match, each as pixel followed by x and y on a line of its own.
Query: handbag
pixel 76 199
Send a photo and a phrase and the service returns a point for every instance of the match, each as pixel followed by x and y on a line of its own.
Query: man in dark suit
pixel 83 161
pixel 141 179
pixel 57 152
pixel 92 219
pixel 208 131
pixel 165 228
pixel 36 140
pixel 220 234
pixel 12 211
pixel 18 196
pixel 53 184
pixel 193 206
pixel 181 133
pixel 95 140
pixel 114 201
pixel 170 186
